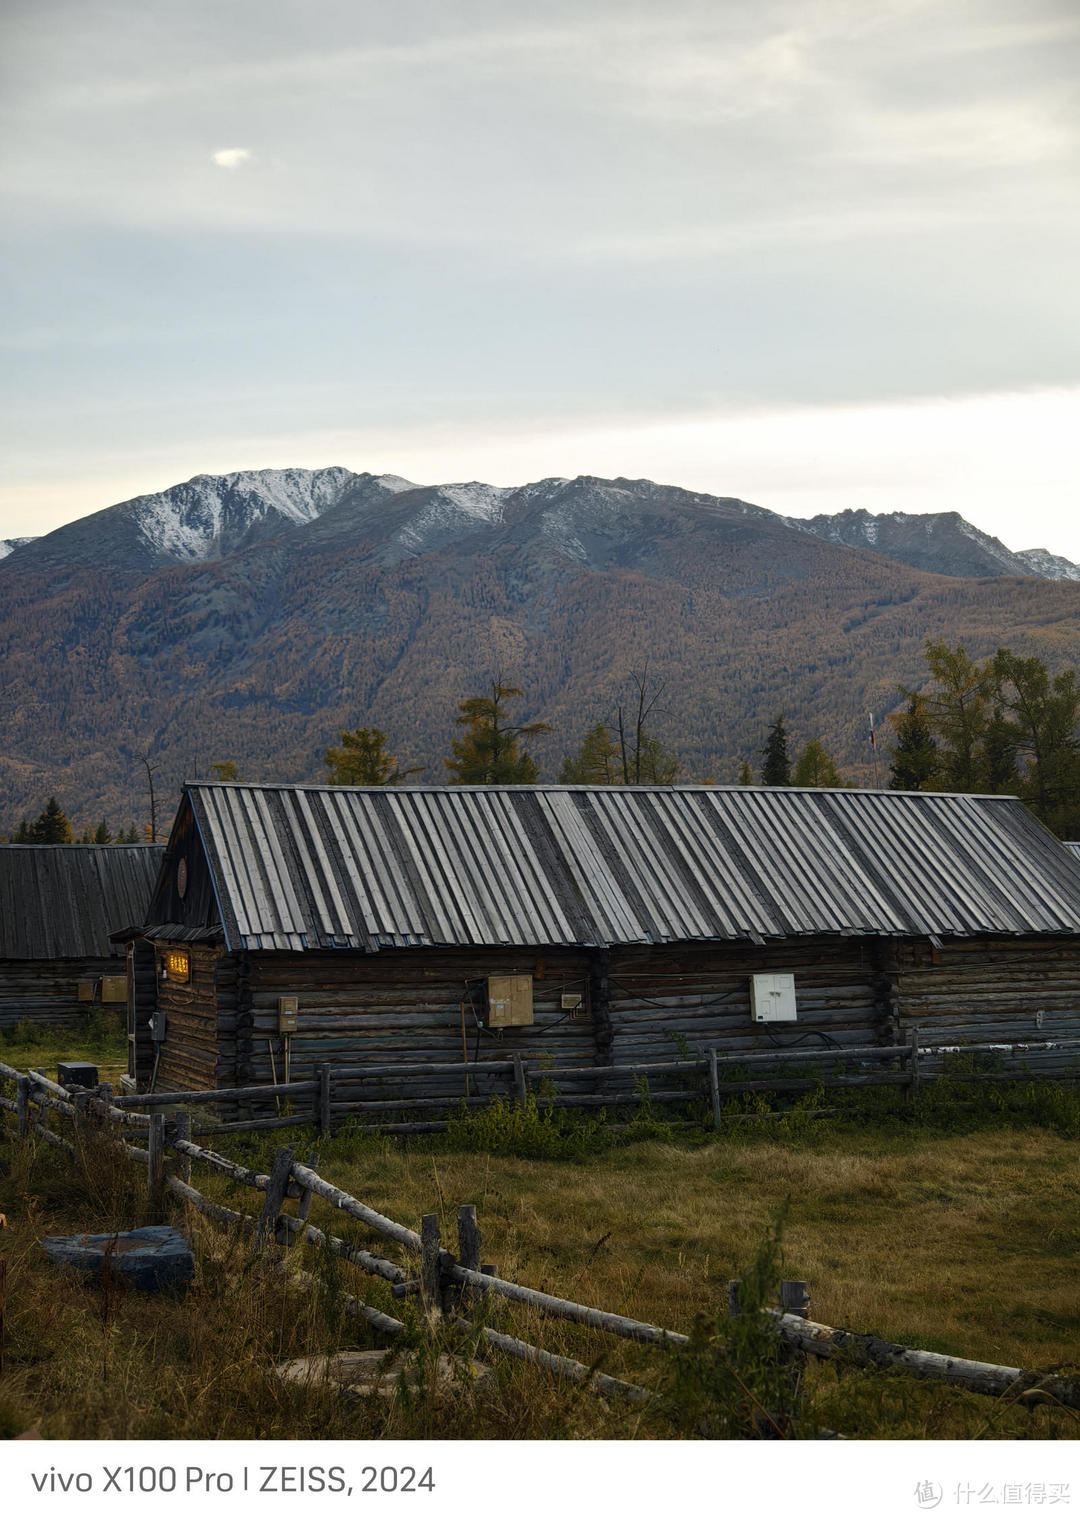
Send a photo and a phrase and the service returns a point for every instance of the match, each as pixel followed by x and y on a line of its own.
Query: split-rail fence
pixel 709 1080
pixel 451 1287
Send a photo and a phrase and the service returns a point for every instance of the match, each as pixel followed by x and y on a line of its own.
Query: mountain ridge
pixel 395 601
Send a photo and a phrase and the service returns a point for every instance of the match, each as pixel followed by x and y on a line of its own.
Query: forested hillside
pixel 390 607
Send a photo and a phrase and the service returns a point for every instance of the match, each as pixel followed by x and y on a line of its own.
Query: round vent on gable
pixel 181 879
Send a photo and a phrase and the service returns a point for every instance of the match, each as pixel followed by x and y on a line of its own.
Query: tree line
pixel 1004 727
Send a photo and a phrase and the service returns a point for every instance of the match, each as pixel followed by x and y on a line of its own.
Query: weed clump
pixel 526 1129
pixel 735 1380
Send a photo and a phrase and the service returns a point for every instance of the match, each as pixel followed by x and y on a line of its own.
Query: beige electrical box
pixel 85 991
pixel 571 1002
pixel 510 1001
pixel 114 988
pixel 287 1009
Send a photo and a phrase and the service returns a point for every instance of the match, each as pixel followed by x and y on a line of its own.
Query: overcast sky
pixel 817 255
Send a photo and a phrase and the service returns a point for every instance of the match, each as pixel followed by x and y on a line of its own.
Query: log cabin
pixel 581 926
pixel 58 905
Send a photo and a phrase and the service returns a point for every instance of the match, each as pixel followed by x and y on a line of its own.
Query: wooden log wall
pixel 993 990
pixel 46 991
pixel 674 1000
pixel 189 1054
pixel 406 1006
pixel 142 999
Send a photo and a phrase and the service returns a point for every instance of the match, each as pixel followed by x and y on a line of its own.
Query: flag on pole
pixel 873 740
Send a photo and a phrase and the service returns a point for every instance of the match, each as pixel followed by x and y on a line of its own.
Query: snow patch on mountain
pixel 1049 566
pixel 210 516
pixel 9 545
pixel 445 513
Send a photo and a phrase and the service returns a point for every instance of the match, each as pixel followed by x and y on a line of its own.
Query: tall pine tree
pixel 488 752
pixel 776 769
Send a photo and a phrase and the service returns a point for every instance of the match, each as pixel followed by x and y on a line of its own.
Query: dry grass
pixel 961 1243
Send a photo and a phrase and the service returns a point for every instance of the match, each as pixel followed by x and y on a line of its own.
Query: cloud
pixel 231 158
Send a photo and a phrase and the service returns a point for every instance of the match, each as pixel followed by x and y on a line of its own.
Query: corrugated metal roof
pixel 61 901
pixel 1073 846
pixel 371 868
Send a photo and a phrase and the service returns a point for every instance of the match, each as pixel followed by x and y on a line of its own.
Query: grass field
pixel 952 1232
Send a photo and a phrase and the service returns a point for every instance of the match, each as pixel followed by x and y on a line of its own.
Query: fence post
pixel 276 1187
pixel 22 1105
pixel 306 1195
pixel 103 1097
pixel 155 1164
pixel 714 1089
pixel 182 1130
pixel 468 1234
pixel 913 1065
pixel 795 1299
pixel 519 1079
pixel 430 1278
pixel 322 1072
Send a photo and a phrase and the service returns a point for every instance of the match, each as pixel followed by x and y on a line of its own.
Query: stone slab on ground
pixel 152 1257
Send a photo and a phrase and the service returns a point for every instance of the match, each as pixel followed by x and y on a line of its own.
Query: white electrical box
pixel 772 998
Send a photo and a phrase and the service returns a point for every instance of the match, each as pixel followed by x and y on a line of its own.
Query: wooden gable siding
pixel 189 1053
pixel 992 991
pixel 198 906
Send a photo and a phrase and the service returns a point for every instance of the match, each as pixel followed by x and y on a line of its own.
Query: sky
pixel 818 254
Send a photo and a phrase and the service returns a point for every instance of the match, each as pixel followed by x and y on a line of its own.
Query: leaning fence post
pixel 155 1164
pixel 519 1078
pixel 468 1234
pixel 322 1073
pixel 714 1089
pixel 277 1185
pixel 22 1105
pixel 306 1195
pixel 430 1281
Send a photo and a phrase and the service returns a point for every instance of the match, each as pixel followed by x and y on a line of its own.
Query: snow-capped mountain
pixel 204 519
pixel 9 545
pixel 1049 566
pixel 943 542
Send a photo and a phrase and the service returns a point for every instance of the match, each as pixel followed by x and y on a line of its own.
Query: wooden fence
pixel 450 1286
pixel 707 1080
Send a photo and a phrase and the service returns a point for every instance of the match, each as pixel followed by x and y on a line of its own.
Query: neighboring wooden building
pixel 58 905
pixel 580 925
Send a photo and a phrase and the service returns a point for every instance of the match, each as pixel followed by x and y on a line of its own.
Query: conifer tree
pixel 487 754
pixel 52 827
pixel 102 834
pixel 776 770
pixel 225 770
pixel 914 755
pixel 746 775
pixel 815 766
pixel 596 762
pixel 363 760
pixel 958 710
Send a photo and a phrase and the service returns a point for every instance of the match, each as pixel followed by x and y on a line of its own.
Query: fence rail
pixel 333 1092
pixel 450 1286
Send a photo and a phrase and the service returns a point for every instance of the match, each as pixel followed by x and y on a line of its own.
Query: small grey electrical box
pixel 287 1009
pixel 772 998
